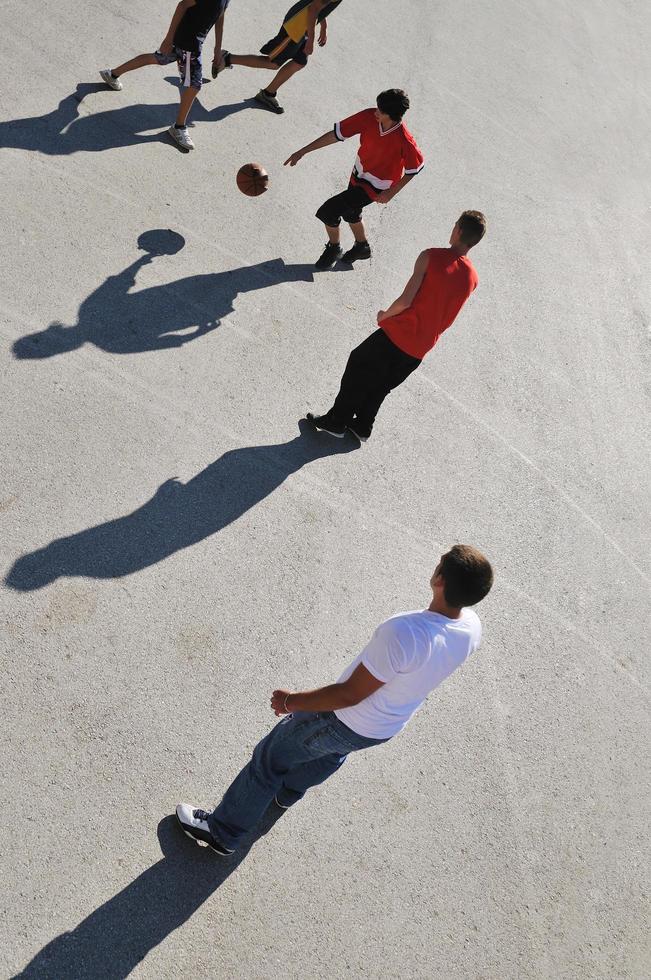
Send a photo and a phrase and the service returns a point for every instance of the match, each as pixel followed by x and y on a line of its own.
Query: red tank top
pixel 448 282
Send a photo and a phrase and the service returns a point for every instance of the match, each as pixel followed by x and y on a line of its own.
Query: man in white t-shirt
pixel 408 656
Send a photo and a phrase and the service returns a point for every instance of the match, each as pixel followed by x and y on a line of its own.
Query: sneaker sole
pixel 265 105
pixel 321 428
pixel 114 88
pixel 204 843
pixel 183 149
pixel 330 265
pixel 198 841
pixel 337 435
pixel 359 258
pixel 362 439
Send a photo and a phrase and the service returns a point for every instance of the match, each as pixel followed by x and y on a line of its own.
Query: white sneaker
pixel 182 138
pixel 194 824
pixel 110 79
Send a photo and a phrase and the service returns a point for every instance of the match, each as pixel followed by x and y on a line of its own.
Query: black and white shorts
pixel 189 65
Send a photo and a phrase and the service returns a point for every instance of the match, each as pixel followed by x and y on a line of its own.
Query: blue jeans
pixel 301 751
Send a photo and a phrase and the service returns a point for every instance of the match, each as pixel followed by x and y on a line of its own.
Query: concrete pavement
pixel 174 546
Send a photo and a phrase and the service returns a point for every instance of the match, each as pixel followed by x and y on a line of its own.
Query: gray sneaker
pixel 269 102
pixel 221 64
pixel 107 76
pixel 182 138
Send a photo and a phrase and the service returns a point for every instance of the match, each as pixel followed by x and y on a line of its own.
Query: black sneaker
pixel 224 61
pixel 360 250
pixel 359 433
pixel 269 102
pixel 329 256
pixel 322 422
pixel 194 824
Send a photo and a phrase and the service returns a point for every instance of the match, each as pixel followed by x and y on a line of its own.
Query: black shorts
pixel 281 48
pixel 347 205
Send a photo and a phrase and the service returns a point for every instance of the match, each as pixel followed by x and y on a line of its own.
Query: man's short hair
pixel 472 227
pixel 467 576
pixel 394 102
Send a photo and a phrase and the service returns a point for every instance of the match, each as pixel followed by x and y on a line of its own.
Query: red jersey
pixel 448 282
pixel 383 156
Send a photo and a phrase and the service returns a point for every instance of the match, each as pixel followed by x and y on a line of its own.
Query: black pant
pixel 347 205
pixel 373 370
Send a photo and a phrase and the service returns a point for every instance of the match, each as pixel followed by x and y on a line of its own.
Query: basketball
pixel 252 179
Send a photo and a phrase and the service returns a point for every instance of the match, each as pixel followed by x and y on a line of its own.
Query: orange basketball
pixel 252 179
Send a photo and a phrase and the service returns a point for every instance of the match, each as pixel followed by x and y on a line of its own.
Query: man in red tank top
pixel 442 281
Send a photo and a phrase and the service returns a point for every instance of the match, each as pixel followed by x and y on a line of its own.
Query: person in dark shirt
pixel 287 51
pixel 189 28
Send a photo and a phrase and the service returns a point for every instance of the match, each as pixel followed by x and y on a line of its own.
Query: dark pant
pixel 347 205
pixel 303 750
pixel 373 370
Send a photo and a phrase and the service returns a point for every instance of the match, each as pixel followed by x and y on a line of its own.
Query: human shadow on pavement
pixel 119 321
pixel 178 515
pixel 66 130
pixel 118 935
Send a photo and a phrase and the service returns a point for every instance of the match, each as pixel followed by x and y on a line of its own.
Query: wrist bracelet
pixel 285 708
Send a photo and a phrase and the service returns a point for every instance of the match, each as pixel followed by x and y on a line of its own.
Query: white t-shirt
pixel 412 653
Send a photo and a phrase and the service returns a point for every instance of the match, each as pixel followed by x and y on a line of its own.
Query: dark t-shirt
pixel 327 10
pixel 196 22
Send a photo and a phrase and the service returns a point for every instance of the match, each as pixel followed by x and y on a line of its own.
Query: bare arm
pixel 360 685
pixel 386 196
pixel 326 140
pixel 312 14
pixel 219 34
pixel 168 40
pixel 408 294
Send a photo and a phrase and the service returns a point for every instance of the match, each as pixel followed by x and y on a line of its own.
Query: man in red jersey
pixel 387 159
pixel 442 281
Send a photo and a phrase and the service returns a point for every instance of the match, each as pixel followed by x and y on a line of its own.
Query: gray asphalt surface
pixel 174 547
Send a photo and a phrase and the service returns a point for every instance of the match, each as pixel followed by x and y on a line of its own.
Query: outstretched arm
pixel 326 140
pixel 408 294
pixel 361 684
